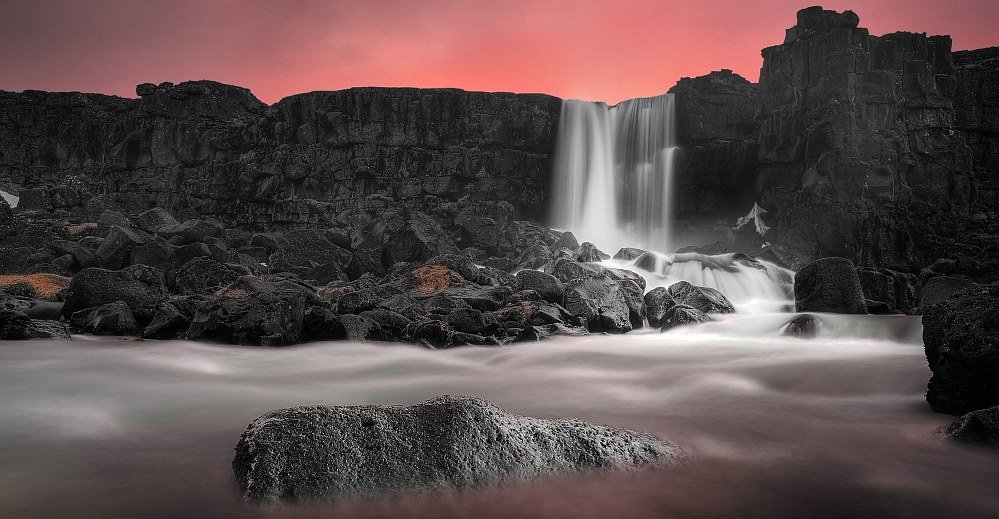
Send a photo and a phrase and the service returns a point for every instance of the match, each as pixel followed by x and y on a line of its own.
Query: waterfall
pixel 613 168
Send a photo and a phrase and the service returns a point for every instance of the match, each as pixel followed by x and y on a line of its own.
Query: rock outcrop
pixel 979 427
pixel 858 151
pixel 206 149
pixel 717 160
pixel 961 338
pixel 829 285
pixel 335 453
pixel 976 102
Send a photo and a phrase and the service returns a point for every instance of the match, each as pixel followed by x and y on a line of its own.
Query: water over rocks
pixel 336 453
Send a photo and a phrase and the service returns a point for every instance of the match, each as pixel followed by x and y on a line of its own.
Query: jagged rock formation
pixel 717 126
pixel 976 101
pixel 858 148
pixel 207 149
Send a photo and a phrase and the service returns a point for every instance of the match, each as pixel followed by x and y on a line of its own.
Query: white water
pixel 613 168
pixel 776 426
pixel 752 287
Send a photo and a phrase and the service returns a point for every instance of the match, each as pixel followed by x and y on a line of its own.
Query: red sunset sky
pixel 573 49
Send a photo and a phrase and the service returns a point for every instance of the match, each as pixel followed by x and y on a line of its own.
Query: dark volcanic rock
pixel 115 251
pixel 206 276
pixel 717 128
pixel 940 288
pixel 216 148
pixel 140 287
pixel 961 337
pixel 979 427
pixel 252 312
pixel 829 285
pixel 804 326
pixel 705 299
pixel 860 155
pixel 977 108
pixel 108 319
pixel 546 285
pixel 336 453
pixel 887 291
pixel 657 304
pixel 602 302
pixel 15 325
pixel 168 323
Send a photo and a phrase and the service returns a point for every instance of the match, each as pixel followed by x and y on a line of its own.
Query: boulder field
pixel 404 276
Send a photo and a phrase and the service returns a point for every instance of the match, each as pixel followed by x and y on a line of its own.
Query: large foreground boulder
pixel 332 453
pixel 829 285
pixel 961 338
pixel 981 427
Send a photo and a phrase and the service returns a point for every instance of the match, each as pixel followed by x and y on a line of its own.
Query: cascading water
pixel 613 169
pixel 613 174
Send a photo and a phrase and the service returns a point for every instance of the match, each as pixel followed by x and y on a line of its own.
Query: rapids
pixel 775 426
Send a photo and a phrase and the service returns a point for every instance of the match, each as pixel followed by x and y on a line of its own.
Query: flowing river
pixel 775 426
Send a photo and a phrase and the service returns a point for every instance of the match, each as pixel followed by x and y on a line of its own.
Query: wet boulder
pixel 681 314
pixel 979 427
pixel 961 340
pixel 546 285
pixel 336 453
pixel 154 218
pixel 206 276
pixel 628 253
pixel 803 326
pixel 705 299
pixel 887 291
pixel 601 302
pixel 109 319
pixel 167 323
pixel 141 287
pixel 589 253
pixel 115 251
pixel 657 304
pixel 15 325
pixel 940 288
pixel 829 285
pixel 252 312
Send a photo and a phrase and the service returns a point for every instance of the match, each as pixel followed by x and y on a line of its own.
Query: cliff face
pixel 716 166
pixel 857 142
pixel 213 150
pixel 976 101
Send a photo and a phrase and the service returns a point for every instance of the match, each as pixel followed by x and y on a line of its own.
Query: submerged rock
pixel 961 338
pixel 829 285
pixel 981 427
pixel 332 453
pixel 804 326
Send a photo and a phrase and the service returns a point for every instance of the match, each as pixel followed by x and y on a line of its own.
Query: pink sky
pixel 608 51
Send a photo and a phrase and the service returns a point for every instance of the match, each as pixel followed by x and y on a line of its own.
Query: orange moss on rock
pixel 434 279
pixel 46 286
pixel 79 228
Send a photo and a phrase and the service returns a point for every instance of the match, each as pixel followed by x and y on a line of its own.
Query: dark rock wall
pixel 213 150
pixel 857 141
pixel 976 101
pixel 717 126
